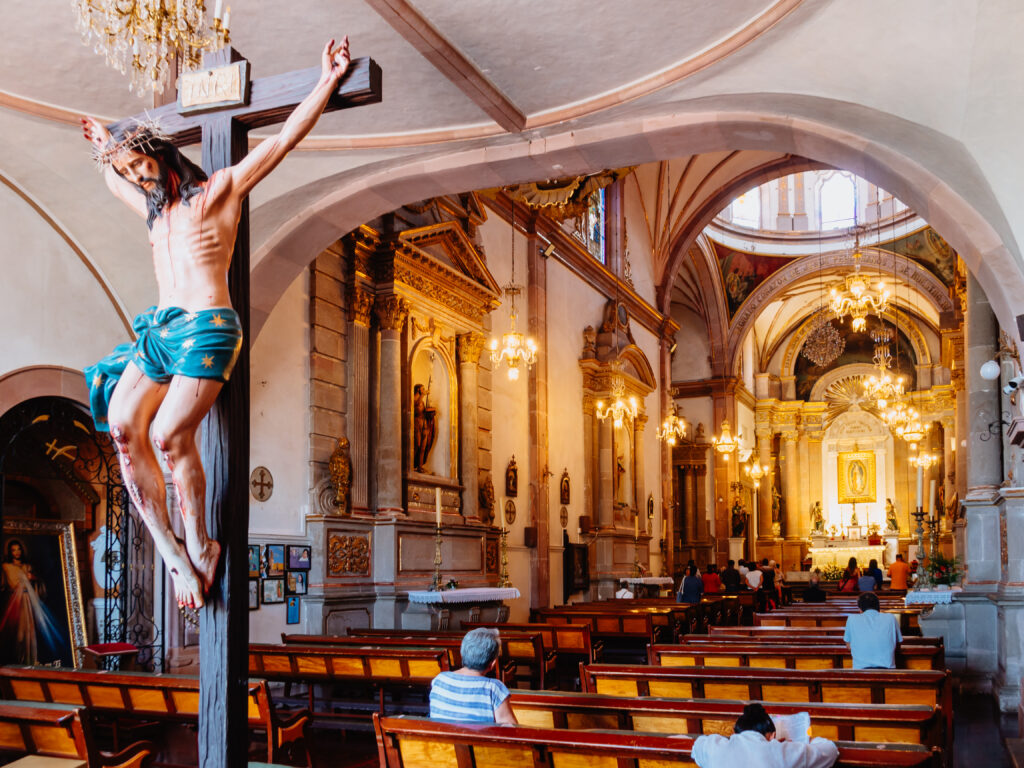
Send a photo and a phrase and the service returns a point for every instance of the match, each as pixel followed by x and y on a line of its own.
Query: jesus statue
pixel 159 388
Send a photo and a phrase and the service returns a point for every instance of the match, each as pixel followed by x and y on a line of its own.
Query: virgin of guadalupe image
pixel 29 633
pixel 857 478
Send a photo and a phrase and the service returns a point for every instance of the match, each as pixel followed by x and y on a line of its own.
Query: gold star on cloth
pixel 217 320
pixel 97 380
pixel 207 361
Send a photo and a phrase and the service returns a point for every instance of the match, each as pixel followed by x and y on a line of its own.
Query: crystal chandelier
pixel 621 407
pixel 824 343
pixel 924 460
pixel 898 416
pixel 884 387
pixel 725 443
pixel 856 297
pixel 914 431
pixel 146 36
pixel 516 349
pixel 755 472
pixel 673 429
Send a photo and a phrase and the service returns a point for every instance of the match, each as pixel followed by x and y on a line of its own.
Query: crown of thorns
pixel 139 137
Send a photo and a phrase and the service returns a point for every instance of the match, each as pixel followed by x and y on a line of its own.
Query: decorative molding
pixel 470 346
pixel 360 305
pixel 391 311
pixel 348 555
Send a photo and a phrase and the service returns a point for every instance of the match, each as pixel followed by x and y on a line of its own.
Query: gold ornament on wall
pixel 340 469
pixel 510 511
pixel 856 477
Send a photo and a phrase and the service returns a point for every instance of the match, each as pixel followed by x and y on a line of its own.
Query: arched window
pixel 837 201
pixel 746 209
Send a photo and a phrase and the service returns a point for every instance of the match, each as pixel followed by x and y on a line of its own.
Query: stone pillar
pixel 814 470
pixel 359 306
pixel 667 518
pixel 984 449
pixel 470 345
pixel 540 499
pixel 948 465
pixel 639 487
pixel 791 485
pixel 606 466
pixel 764 500
pixel 591 458
pixel 705 530
pixel 392 312
pixel 803 524
pixel 690 504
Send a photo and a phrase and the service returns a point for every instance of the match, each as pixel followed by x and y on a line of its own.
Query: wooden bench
pixel 44 730
pixel 151 696
pixel 375 671
pixel 525 656
pixel 765 634
pixel 620 629
pixel 419 743
pixel 848 722
pixel 827 618
pixel 783 655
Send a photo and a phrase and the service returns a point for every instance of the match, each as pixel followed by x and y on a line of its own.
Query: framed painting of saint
pixel 41 617
pixel 855 475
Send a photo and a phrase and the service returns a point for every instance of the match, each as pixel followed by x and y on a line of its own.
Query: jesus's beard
pixel 159 195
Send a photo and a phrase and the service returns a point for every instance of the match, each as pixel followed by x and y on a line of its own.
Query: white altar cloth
pixel 467 595
pixel 660 581
pixel 930 596
pixel 840 552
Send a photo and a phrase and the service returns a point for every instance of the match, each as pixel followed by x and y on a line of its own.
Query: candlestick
pixel 920 483
pixel 437 505
pixel 931 499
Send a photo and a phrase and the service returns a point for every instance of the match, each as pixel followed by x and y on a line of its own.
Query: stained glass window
pixel 591 227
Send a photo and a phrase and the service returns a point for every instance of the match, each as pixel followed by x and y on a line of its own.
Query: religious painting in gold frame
pixel 855 475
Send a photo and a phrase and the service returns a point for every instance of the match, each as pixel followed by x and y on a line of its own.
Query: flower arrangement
pixel 940 569
pixel 832 572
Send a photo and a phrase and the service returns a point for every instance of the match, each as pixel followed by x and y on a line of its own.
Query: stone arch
pixel 842 372
pixel 42 381
pixel 929 171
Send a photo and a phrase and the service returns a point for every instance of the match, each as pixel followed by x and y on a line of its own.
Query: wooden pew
pixel 377 671
pixel 797 634
pixel 615 626
pixel 782 655
pixel 848 722
pixel 567 640
pixel 419 743
pixel 61 731
pixel 518 650
pixel 139 695
pixel 827 618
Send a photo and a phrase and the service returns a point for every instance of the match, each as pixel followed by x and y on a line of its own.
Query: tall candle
pixel 636 526
pixel 437 505
pixel 931 497
pixel 216 9
pixel 920 483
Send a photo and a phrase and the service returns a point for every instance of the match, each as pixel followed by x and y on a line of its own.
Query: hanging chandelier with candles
pixel 914 431
pixel 673 429
pixel 885 387
pixel 856 297
pixel 924 460
pixel 755 472
pixel 516 349
pixel 725 443
pixel 144 37
pixel 621 407
pixel 824 343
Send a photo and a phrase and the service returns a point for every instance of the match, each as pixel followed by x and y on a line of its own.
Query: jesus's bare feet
pixel 188 587
pixel 204 561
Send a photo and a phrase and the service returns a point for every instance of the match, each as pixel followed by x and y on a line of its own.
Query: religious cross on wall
pixel 219 106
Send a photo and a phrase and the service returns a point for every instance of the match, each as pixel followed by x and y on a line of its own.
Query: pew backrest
pixel 835 655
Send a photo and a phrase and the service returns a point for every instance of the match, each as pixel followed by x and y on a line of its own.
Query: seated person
pixel 730 577
pixel 899 571
pixel 850 577
pixel 872 636
pixel 624 593
pixel 467 695
pixel 712 582
pixel 692 587
pixel 753 743
pixel 874 571
pixel 814 593
pixel 866 583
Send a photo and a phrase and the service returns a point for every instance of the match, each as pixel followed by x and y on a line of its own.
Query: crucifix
pixel 192 224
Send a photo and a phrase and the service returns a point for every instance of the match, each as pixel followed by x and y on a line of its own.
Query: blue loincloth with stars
pixel 171 342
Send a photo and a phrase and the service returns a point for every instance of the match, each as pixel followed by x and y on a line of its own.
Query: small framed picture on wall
pixel 275 560
pixel 297 583
pixel 293 611
pixel 273 591
pixel 298 557
pixel 254 594
pixel 254 561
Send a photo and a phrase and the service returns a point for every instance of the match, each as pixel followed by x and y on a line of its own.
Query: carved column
pixel 764 497
pixel 606 466
pixel 470 345
pixel 537 322
pixel 802 518
pixel 392 312
pixel 667 522
pixel 639 488
pixel 690 504
pixel 359 306
pixel 591 453
pixel 791 484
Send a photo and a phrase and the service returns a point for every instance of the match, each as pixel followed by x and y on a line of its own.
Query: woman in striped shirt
pixel 468 695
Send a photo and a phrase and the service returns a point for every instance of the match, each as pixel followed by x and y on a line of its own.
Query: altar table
pixel 449 608
pixel 840 552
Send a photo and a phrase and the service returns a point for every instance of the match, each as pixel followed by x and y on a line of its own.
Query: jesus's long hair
pixel 174 167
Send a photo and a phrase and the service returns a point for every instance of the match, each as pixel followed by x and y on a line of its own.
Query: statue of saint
pixel 776 505
pixel 169 378
pixel 891 523
pixel 424 420
pixel 739 519
pixel 817 518
pixel 512 478
pixel 620 471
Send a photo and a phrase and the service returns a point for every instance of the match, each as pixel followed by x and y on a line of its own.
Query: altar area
pixel 838 552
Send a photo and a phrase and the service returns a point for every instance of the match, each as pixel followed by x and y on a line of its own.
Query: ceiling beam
pixel 450 61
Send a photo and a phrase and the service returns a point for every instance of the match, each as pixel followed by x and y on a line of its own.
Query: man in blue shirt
pixel 467 695
pixel 872 636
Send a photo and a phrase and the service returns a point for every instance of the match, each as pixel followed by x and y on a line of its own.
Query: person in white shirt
pixel 742 568
pixel 872 636
pixel 624 592
pixel 754 577
pixel 754 744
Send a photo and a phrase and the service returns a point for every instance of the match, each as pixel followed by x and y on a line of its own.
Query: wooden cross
pixel 219 106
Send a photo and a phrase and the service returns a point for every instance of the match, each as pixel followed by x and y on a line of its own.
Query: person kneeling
pixel 754 743
pixel 467 695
